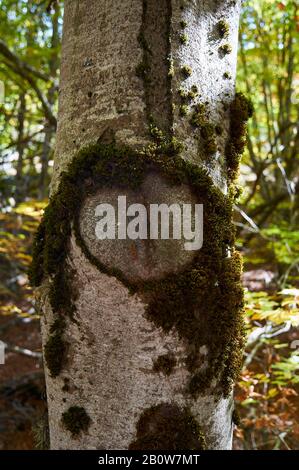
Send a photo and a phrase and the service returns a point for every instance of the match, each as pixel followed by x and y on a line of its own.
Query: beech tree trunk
pixel 127 64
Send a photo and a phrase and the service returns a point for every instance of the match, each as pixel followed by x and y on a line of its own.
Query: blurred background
pixel 266 217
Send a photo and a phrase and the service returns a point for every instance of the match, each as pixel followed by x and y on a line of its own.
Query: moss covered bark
pixel 203 303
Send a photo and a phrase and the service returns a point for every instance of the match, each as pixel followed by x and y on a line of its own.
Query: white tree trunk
pixel 112 345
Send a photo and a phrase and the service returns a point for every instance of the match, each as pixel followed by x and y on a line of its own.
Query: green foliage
pixel 278 308
pixel 283 242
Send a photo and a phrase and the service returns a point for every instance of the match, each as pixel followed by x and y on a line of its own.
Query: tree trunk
pixel 143 339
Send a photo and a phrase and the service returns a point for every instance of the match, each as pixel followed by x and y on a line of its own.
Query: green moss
pixel 35 272
pixel 142 71
pixel 186 71
pixel 184 38
pixel 41 435
pixel 227 75
pixel 76 420
pixel 188 95
pixel 170 68
pixel 225 49
pixel 193 92
pixel 198 117
pixel 54 352
pixel 184 110
pixel 218 129
pixel 223 28
pixel 183 93
pixel 165 364
pixel 55 347
pixel 66 385
pixel 168 427
pixel 241 109
pixel 203 303
pixel 236 419
pixel 207 130
pixel 61 292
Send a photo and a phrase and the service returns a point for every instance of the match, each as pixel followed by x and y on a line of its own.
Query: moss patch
pixel 184 38
pixel 76 420
pixel 156 63
pixel 203 303
pixel 207 130
pixel 186 71
pixel 227 75
pixel 55 347
pixel 241 109
pixel 223 28
pixel 165 364
pixel 168 427
pixel 54 353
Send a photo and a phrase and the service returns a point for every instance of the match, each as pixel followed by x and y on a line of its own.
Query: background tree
pixel 29 63
pixel 269 70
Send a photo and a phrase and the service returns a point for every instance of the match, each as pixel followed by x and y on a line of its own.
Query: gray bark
pixel 112 346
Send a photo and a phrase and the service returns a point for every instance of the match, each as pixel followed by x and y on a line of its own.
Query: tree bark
pixel 123 63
